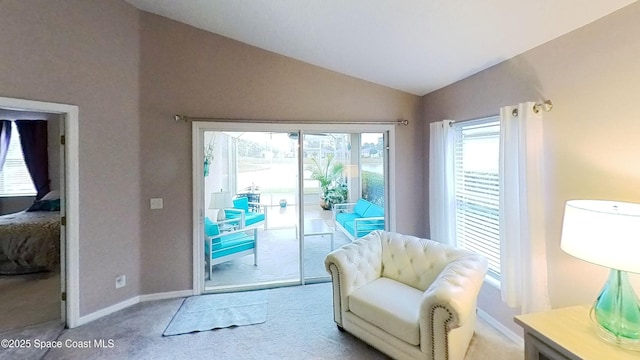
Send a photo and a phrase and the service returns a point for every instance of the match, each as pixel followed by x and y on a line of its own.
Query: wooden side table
pixel 567 333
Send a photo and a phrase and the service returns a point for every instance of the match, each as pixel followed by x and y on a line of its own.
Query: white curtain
pixel 523 260
pixel 441 194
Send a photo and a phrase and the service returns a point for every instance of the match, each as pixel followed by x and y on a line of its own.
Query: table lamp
pixel 218 202
pixel 607 233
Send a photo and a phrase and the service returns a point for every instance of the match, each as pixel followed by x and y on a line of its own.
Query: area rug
pixel 209 312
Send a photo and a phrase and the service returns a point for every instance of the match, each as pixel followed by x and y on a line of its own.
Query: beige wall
pixel 129 72
pixel 189 71
pixel 591 146
pixel 86 53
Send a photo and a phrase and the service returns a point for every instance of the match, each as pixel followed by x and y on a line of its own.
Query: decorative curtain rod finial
pixel 547 105
pixel 179 118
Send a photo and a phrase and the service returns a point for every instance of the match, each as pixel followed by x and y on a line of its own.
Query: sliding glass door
pixel 250 194
pixel 265 201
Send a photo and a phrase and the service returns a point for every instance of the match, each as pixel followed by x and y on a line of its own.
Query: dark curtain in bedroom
pixel 5 137
pixel 33 138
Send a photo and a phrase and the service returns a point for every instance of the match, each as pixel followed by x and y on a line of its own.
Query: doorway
pixel 290 175
pixel 30 256
pixel 64 282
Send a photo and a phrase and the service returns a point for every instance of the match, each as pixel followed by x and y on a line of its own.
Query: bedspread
pixel 29 242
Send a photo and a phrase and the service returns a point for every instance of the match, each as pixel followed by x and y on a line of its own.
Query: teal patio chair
pixel 246 214
pixel 221 246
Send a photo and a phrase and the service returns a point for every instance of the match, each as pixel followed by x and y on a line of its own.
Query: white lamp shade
pixel 605 233
pixel 219 201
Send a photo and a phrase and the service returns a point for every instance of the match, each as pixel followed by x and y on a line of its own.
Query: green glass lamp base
pixel 617 312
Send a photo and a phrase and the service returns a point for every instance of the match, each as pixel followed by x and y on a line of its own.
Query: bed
pixel 30 241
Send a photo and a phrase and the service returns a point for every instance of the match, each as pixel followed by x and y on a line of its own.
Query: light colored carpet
pixel 208 312
pixel 299 326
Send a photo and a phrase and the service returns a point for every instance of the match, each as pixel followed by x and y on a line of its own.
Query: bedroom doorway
pixel 34 287
pixel 30 279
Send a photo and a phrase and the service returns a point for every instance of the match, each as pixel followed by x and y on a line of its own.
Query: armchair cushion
pixel 390 305
pixel 250 218
pixel 346 217
pixel 231 244
pixel 361 207
pixel 241 203
pixel 374 211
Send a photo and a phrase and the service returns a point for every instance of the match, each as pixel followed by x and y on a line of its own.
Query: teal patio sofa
pixel 358 219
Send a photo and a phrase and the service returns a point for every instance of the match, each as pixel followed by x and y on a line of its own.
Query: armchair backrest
pixel 414 261
pixel 210 228
pixel 241 203
pixel 361 207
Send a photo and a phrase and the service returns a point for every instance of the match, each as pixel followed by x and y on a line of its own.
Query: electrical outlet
pixel 121 281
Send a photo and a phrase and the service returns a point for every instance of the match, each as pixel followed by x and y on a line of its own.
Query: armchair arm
pixel 450 303
pixel 351 267
pixel 242 219
pixel 227 221
pixel 247 232
pixel 341 208
pixel 367 223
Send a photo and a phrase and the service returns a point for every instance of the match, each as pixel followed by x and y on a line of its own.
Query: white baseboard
pixel 130 302
pixel 501 328
pixel 107 311
pixel 166 295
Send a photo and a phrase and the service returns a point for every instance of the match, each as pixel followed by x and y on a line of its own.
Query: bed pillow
pixel 45 205
pixel 52 195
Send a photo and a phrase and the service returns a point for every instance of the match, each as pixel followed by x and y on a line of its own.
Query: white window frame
pixel 477 219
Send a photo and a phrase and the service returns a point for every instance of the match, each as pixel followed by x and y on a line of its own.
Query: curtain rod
pixel 547 106
pixel 185 118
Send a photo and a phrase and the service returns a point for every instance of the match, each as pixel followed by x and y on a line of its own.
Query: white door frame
pixel 197 134
pixel 70 190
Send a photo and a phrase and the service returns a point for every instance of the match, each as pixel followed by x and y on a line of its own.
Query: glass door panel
pixel 372 168
pixel 332 176
pixel 255 173
pixel 259 173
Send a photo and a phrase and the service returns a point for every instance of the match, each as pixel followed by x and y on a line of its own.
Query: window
pixel 14 175
pixel 476 157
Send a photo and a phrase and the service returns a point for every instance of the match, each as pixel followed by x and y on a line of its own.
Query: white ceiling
pixel 417 46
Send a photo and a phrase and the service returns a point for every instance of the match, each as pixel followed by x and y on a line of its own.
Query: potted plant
pixel 329 174
pixel 208 155
pixel 335 194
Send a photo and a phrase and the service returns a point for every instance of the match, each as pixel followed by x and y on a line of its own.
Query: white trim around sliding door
pixel 199 127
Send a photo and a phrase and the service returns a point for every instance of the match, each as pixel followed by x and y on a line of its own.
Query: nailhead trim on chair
pixel 446 333
pixel 337 270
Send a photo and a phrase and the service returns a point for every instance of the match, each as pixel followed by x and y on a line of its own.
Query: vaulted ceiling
pixel 416 46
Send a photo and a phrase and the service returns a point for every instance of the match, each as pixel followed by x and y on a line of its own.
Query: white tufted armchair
pixel 410 298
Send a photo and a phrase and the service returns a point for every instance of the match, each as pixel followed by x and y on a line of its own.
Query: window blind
pixel 476 156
